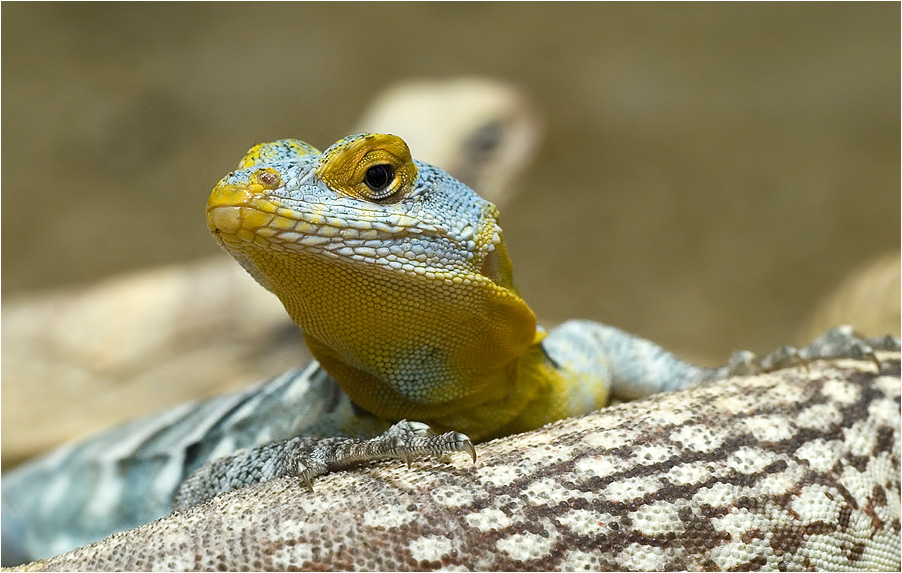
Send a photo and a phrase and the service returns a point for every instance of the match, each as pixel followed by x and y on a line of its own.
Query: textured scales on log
pixel 793 470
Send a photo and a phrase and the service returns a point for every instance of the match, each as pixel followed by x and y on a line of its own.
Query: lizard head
pixel 365 200
pixel 396 271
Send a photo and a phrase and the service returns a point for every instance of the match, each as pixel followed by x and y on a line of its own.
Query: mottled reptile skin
pixel 795 470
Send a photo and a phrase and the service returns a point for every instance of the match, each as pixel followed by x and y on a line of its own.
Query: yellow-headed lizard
pixel 399 276
pixel 400 279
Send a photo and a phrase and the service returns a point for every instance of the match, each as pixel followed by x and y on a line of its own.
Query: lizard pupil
pixel 378 177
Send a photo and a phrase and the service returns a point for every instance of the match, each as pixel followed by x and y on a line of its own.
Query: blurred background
pixel 706 173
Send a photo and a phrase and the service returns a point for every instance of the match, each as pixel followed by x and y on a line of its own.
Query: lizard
pixel 867 298
pixel 427 326
pixel 116 344
pixel 794 470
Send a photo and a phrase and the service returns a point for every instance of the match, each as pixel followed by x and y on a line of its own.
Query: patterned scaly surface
pixel 795 470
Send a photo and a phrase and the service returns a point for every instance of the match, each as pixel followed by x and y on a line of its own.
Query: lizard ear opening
pixel 497 266
pixel 281 150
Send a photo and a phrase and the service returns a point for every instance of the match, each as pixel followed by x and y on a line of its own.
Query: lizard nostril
pixel 269 179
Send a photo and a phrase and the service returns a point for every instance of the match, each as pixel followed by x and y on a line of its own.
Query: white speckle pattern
pixel 430 547
pixel 816 503
pixel 526 546
pixel 818 416
pixel 779 482
pixel 861 438
pixel 821 455
pixel 657 519
pixel 770 428
pixel 500 475
pixel 576 560
pixel 748 460
pixel 719 494
pixel 610 438
pixel 638 557
pixel 631 488
pixel 655 453
pixel 387 516
pixel 840 391
pixel 688 473
pixel 812 500
pixel 451 497
pixel 488 519
pixel 586 522
pixel 697 437
pixel 549 491
pixel 883 410
pixel 602 466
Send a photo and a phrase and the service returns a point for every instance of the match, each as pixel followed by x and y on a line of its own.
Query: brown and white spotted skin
pixel 793 470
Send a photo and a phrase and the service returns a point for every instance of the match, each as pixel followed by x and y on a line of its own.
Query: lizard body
pixel 402 285
pixel 399 277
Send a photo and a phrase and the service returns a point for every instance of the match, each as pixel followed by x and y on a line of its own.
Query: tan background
pixel 707 173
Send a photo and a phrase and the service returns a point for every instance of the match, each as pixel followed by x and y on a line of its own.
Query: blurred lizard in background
pixel 868 299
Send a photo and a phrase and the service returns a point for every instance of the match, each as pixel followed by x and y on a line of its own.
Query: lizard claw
pixel 305 474
pixel 417 437
pixel 742 363
pixel 843 342
pixel 783 357
pixel 838 342
pixel 468 447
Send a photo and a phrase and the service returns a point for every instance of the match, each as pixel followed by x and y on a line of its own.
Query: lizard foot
pixel 404 441
pixel 309 458
pixel 838 342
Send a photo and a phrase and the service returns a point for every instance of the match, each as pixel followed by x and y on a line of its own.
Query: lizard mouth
pixel 243 222
pixel 252 214
pixel 255 218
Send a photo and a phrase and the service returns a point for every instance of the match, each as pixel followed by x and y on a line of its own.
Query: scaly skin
pixel 791 471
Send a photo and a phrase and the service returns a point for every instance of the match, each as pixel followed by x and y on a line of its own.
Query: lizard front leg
pixel 309 458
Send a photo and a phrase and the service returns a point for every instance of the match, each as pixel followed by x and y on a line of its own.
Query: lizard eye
pixel 370 166
pixel 378 178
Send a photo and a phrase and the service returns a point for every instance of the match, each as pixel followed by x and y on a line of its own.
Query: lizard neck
pixel 449 353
